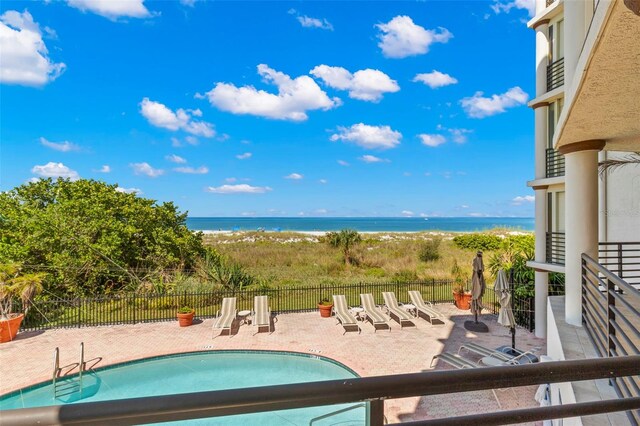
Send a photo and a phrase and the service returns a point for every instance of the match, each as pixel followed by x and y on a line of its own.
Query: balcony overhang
pixel 546 267
pixel 605 89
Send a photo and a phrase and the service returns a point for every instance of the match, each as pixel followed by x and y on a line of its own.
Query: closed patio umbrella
pixel 478 286
pixel 505 315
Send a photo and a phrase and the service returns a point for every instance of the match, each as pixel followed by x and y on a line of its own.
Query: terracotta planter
pixel 463 301
pixel 325 310
pixel 185 320
pixel 9 328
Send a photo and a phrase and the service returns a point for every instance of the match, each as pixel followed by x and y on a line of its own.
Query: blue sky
pixel 275 108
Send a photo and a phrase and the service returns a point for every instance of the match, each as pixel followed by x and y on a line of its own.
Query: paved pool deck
pixel 29 359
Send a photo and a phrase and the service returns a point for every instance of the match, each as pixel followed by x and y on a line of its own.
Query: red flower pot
pixel 9 327
pixel 325 310
pixel 463 301
pixel 185 320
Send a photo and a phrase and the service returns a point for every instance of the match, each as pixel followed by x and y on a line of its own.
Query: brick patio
pixel 368 353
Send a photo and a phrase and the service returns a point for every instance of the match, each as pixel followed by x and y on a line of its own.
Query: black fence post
pixel 376 412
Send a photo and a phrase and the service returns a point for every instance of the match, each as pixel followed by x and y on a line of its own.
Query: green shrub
pixel 478 241
pixel 375 272
pixel 405 276
pixel 429 250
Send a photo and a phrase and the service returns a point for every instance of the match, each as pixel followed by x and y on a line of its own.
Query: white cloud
pixel 190 3
pixel 323 181
pixel 373 159
pixel 105 169
pixel 193 171
pixel 242 188
pixel 65 146
pixel 175 159
pixel 231 180
pixel 528 5
pixel 112 9
pixel 25 58
pixel 400 38
pixel 188 140
pixel 459 135
pixel 343 163
pixel 478 106
pixel 294 176
pixel 160 116
pixel 435 79
pixel 476 214
pixel 244 156
pixel 407 213
pixel 146 169
pixel 55 170
pixel 370 137
pixel 309 22
pixel 136 191
pixel 432 140
pixel 321 211
pixel 365 85
pixel 519 200
pixel 294 98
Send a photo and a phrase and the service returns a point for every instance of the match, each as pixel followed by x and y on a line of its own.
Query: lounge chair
pixel 341 310
pixel 425 308
pixel 226 315
pixel 454 360
pixel 372 313
pixel 394 310
pixel 521 358
pixel 261 316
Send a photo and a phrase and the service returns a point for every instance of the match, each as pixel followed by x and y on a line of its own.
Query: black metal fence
pixel 134 308
pixel 623 259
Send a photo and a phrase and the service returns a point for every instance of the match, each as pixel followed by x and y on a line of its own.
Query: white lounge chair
pixel 454 360
pixel 261 316
pixel 344 316
pixel 226 315
pixel 425 308
pixel 372 313
pixel 394 310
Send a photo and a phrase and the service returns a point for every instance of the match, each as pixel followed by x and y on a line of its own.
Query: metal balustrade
pixel 623 259
pixel 555 248
pixel 611 315
pixel 555 74
pixel 554 163
pixel 374 390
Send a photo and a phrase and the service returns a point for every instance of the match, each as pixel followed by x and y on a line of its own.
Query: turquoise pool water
pixel 204 371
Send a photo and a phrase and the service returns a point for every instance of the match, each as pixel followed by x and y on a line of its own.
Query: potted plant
pixel 185 316
pixel 13 285
pixel 325 307
pixel 461 297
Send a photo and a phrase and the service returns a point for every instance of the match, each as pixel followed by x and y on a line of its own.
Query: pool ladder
pixel 74 384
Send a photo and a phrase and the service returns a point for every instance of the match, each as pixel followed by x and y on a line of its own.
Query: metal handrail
pixel 555 247
pixel 368 389
pixel 335 413
pixel 56 367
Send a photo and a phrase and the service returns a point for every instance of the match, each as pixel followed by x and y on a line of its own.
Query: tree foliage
pixel 346 239
pixel 91 238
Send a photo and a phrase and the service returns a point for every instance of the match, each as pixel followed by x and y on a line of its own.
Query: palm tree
pixel 345 239
pixel 14 284
pixel 608 166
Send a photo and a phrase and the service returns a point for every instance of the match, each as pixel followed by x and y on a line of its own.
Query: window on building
pixel 554 109
pixel 556 40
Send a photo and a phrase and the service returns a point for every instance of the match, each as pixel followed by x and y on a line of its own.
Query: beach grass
pixel 303 259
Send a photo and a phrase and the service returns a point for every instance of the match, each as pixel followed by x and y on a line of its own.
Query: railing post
pixel 376 412
pixel 611 316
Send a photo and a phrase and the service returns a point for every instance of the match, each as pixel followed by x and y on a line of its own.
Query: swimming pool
pixel 204 371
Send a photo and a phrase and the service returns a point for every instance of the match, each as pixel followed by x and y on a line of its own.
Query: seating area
pixel 259 317
pixel 488 357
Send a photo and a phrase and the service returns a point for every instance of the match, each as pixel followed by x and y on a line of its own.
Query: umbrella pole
pixel 513 338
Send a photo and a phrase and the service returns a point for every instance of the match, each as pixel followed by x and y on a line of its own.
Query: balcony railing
pixel 555 248
pixel 374 390
pixel 555 74
pixel 610 314
pixel 555 163
pixel 623 259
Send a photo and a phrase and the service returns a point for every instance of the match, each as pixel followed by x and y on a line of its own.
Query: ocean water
pixel 362 224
